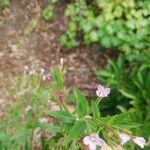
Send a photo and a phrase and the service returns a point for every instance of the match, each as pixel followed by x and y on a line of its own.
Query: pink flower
pixel 61 97
pixel 93 141
pixel 102 91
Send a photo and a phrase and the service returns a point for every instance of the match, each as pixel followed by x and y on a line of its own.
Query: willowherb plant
pixel 33 122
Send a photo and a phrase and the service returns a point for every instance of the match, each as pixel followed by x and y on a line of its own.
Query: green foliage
pixel 124 25
pixel 63 116
pixel 132 79
pixel 4 3
pixel 81 102
pixel 58 77
pixel 32 115
pixel 48 12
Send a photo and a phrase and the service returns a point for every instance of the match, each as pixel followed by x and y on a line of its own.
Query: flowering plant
pixel 48 114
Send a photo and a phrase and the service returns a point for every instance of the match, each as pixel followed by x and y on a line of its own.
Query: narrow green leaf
pixel 27 144
pixel 128 94
pixel 58 77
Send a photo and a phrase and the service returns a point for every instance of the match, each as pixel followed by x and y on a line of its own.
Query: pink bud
pixel 61 97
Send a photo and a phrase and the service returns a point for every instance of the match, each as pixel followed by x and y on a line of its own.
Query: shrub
pixel 124 25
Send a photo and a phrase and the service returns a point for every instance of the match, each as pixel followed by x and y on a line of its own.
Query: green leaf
pixel 94 36
pixel 86 25
pixel 63 40
pixel 3 136
pixel 95 109
pixel 47 13
pixel 35 81
pixel 81 103
pixel 128 94
pixel 106 41
pixel 4 3
pixel 76 131
pixel 58 76
pixel 72 26
pixel 122 121
pixel 27 144
pixel 61 115
pixel 49 127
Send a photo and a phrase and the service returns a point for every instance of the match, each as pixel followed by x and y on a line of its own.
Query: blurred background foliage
pixel 4 4
pixel 125 26
pixel 111 23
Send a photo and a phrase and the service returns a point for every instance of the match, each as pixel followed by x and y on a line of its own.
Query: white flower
pixel 93 140
pixel 102 91
pixel 124 138
pixel 140 141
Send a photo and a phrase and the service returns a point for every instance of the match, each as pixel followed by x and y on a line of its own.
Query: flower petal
pixel 92 146
pixel 99 142
pixel 124 138
pixel 102 91
pixel 140 141
pixel 86 140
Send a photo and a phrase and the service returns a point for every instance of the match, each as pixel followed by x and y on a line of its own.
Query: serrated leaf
pixel 49 127
pixel 81 103
pixel 76 131
pixel 95 110
pixel 61 115
pixel 122 121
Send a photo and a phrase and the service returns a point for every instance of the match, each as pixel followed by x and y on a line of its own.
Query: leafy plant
pixel 124 25
pixel 32 121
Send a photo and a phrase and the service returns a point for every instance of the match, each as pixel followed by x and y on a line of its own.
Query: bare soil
pixel 26 39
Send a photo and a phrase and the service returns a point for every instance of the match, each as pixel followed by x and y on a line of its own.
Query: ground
pixel 26 39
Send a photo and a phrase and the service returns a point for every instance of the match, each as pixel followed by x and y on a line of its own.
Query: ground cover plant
pixel 124 25
pixel 31 121
pixel 48 11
